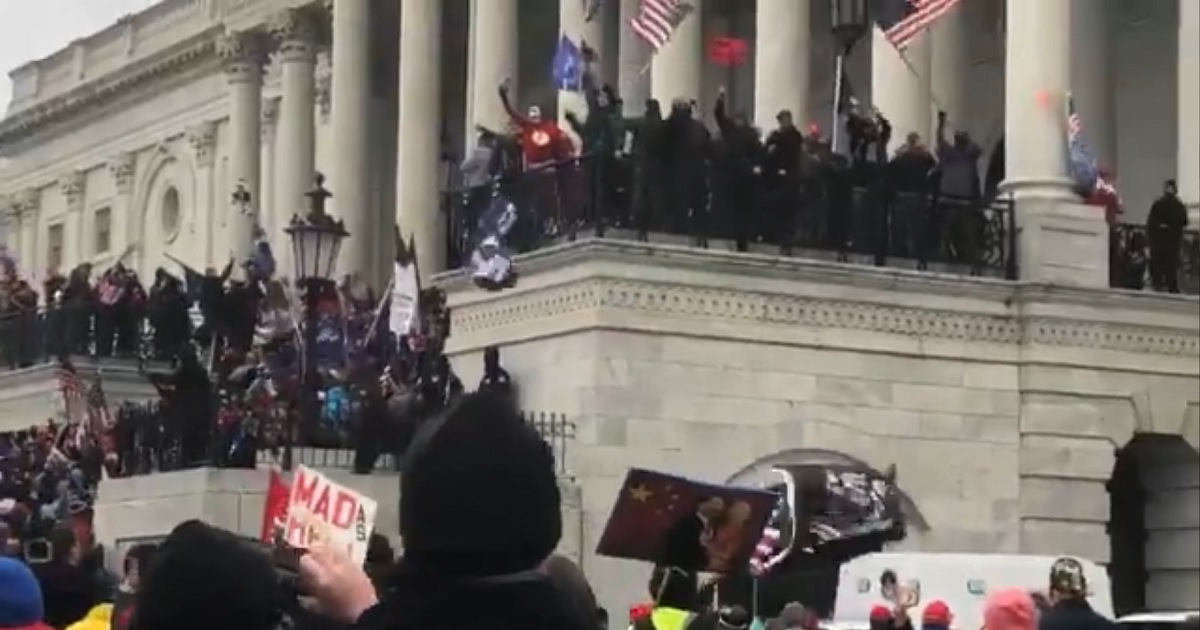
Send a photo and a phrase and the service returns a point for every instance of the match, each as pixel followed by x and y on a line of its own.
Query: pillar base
pixel 1061 242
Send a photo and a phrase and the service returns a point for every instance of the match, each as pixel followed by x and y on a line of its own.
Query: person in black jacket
pixel 69 590
pixel 1165 225
pixel 1069 608
pixel 479 513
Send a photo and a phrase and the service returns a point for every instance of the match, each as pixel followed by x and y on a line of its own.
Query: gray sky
pixel 32 29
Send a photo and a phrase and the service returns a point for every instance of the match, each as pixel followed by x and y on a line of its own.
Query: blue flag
pixel 1081 164
pixel 567 70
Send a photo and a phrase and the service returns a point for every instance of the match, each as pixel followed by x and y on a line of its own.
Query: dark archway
pixel 1151 493
pixel 1127 531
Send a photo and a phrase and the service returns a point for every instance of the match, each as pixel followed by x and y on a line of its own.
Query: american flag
pixel 903 21
pixel 657 20
pixel 764 555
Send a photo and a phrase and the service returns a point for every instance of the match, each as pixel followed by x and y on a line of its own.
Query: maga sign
pixel 324 512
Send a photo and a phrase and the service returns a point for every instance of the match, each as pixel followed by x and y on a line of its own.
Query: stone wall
pixel 1000 403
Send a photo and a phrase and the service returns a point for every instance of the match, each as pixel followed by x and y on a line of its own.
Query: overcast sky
pixel 32 29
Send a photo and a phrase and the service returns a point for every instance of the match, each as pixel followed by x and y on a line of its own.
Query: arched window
pixel 169 212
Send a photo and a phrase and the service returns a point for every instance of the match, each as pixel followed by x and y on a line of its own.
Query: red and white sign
pixel 324 512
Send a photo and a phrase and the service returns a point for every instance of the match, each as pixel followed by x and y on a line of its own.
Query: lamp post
pixel 849 23
pixel 316 240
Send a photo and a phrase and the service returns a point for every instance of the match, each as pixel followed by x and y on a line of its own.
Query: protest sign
pixel 324 512
pixel 275 509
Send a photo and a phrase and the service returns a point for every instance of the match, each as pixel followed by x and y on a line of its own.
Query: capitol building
pixel 1005 404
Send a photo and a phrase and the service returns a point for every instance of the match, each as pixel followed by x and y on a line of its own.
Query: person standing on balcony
pixel 1165 225
pixel 544 146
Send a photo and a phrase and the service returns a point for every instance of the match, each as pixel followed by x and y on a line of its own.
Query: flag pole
pixel 838 77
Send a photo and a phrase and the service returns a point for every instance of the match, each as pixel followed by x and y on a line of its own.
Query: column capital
pixel 270 117
pixel 244 54
pixel 203 140
pixel 73 186
pixel 28 202
pixel 9 210
pixel 121 168
pixel 297 33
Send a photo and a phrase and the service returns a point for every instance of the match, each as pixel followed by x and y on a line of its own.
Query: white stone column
pixel 950 69
pixel 633 57
pixel 243 54
pixel 1037 75
pixel 272 217
pixel 10 217
pixel 1059 239
pixel 351 103
pixel 29 205
pixel 1188 157
pixel 296 34
pixel 417 199
pixel 121 168
pixel 492 51
pixel 1091 78
pixel 902 90
pixel 678 69
pixel 572 22
pixel 73 187
pixel 781 61
pixel 209 204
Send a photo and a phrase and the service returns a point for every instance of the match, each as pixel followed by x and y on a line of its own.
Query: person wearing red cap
pixel 936 616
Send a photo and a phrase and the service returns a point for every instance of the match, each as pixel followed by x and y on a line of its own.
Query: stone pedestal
pixel 149 506
pixel 1060 242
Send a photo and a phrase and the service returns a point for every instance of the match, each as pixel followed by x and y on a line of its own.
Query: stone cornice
pixel 103 90
pixel 981 311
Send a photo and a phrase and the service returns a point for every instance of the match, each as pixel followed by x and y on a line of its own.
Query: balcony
pixel 845 216
pixel 33 346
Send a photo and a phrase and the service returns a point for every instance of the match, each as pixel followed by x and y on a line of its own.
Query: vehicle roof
pixel 1151 616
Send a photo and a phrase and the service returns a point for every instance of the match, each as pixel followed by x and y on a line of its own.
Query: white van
pixel 961 580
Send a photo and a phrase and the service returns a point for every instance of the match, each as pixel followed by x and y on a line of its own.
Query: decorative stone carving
pixel 295 30
pixel 243 54
pixel 270 117
pixel 28 202
pixel 73 186
pixel 121 167
pixel 203 140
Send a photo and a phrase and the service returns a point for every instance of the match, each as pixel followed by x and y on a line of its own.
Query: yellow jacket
pixel 98 618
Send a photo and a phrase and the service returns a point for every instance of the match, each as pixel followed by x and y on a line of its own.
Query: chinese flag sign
pixel 276 507
pixel 652 505
pixel 728 51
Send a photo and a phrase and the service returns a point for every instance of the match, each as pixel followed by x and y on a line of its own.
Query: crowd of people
pixel 480 465
pixel 666 171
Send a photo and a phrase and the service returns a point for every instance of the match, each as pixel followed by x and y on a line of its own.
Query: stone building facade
pixel 1003 404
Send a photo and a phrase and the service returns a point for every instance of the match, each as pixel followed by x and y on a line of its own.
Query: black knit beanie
pixel 480 497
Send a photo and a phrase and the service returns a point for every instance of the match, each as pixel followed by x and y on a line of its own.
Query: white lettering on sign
pixel 324 512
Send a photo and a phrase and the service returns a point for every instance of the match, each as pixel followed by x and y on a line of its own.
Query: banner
pixel 322 511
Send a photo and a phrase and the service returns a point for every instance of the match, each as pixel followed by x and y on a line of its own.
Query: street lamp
pixel 316 240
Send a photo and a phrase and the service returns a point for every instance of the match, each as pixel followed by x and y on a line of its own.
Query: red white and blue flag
pixel 903 21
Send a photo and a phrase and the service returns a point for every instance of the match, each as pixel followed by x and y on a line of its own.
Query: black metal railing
pixel 150 438
pixel 1136 262
pixel 835 212
pixel 30 337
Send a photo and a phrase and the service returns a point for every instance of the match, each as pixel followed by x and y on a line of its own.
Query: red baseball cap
pixel 880 613
pixel 936 613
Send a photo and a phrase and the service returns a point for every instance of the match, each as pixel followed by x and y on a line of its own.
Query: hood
pixel 98 618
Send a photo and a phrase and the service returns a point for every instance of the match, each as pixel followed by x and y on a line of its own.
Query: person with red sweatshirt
pixel 545 148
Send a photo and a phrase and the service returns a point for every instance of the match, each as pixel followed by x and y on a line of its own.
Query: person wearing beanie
pixel 1010 609
pixel 1069 607
pixel 205 578
pixel 936 616
pixel 20 598
pixel 479 513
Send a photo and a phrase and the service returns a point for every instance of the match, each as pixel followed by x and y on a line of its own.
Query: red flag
pixel 276 507
pixel 727 51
